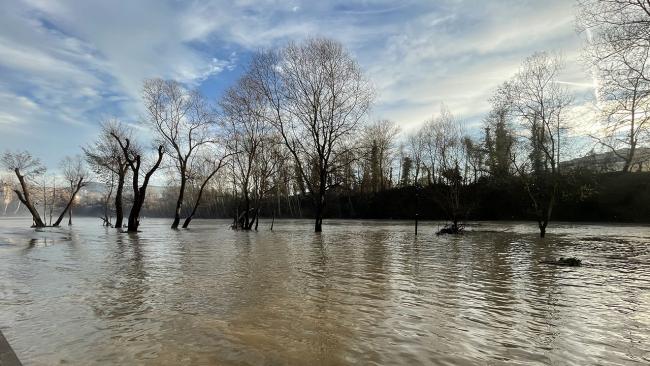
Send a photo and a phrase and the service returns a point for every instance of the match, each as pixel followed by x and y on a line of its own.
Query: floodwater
pixel 361 293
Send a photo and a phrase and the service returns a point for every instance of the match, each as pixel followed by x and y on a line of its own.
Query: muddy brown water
pixel 361 293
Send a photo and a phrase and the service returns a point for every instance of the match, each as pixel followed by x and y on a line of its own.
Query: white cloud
pixel 77 60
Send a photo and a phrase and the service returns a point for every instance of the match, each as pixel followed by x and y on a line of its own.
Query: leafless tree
pixel 616 31
pixel 416 145
pixel 133 155
pixel 539 103
pixel 75 173
pixel 616 54
pixel 624 102
pixel 318 95
pixel 107 160
pixel 183 122
pixel 445 136
pixel 203 171
pixel 26 167
pixel 253 143
pixel 382 135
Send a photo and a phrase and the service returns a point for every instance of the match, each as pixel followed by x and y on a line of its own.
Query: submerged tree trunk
pixel 179 202
pixel 119 211
pixel 196 204
pixel 320 207
pixel 542 227
pixel 27 200
pixel 68 207
pixel 134 216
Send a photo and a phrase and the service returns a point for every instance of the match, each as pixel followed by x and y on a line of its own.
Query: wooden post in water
pixel 417 187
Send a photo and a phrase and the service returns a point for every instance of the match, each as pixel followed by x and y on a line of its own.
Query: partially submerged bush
pixel 571 262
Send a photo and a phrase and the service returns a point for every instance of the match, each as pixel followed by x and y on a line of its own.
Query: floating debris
pixel 571 262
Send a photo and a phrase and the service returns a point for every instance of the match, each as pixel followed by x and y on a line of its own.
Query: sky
pixel 65 64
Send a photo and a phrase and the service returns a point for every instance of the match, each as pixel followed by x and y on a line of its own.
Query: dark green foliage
pixel 407 164
pixel 499 140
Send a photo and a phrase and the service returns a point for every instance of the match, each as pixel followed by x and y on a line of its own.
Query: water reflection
pixel 360 293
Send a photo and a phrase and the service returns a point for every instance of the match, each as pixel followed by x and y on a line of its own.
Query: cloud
pixel 63 63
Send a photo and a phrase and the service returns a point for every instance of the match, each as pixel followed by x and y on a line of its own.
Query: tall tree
pixel 183 123
pixel 133 156
pixel 499 139
pixel 318 95
pixel 416 144
pixel 26 167
pixel 382 135
pixel 107 160
pixel 617 55
pixel 539 103
pixel 446 135
pixel 251 141
pixel 618 31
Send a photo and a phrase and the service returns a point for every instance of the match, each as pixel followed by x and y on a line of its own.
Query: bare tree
pixel 445 136
pixel 616 54
pixel 76 174
pixel 183 122
pixel 107 160
pixel 416 145
pixel 249 140
pixel 204 170
pixel 26 168
pixel 133 156
pixel 539 103
pixel 623 99
pixel 254 145
pixel 616 31
pixel 318 95
pixel 382 135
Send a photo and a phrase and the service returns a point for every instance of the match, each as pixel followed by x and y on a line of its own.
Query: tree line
pixel 296 125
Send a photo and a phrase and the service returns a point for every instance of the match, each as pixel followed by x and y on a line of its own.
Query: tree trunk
pixel 140 193
pixel 318 228
pixel 245 225
pixel 320 207
pixel 542 228
pixel 119 211
pixel 133 222
pixel 70 217
pixel 179 202
pixel 629 158
pixel 196 206
pixel 68 207
pixel 27 200
pixel 198 197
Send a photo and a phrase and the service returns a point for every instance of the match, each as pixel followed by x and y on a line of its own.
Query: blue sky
pixel 64 64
